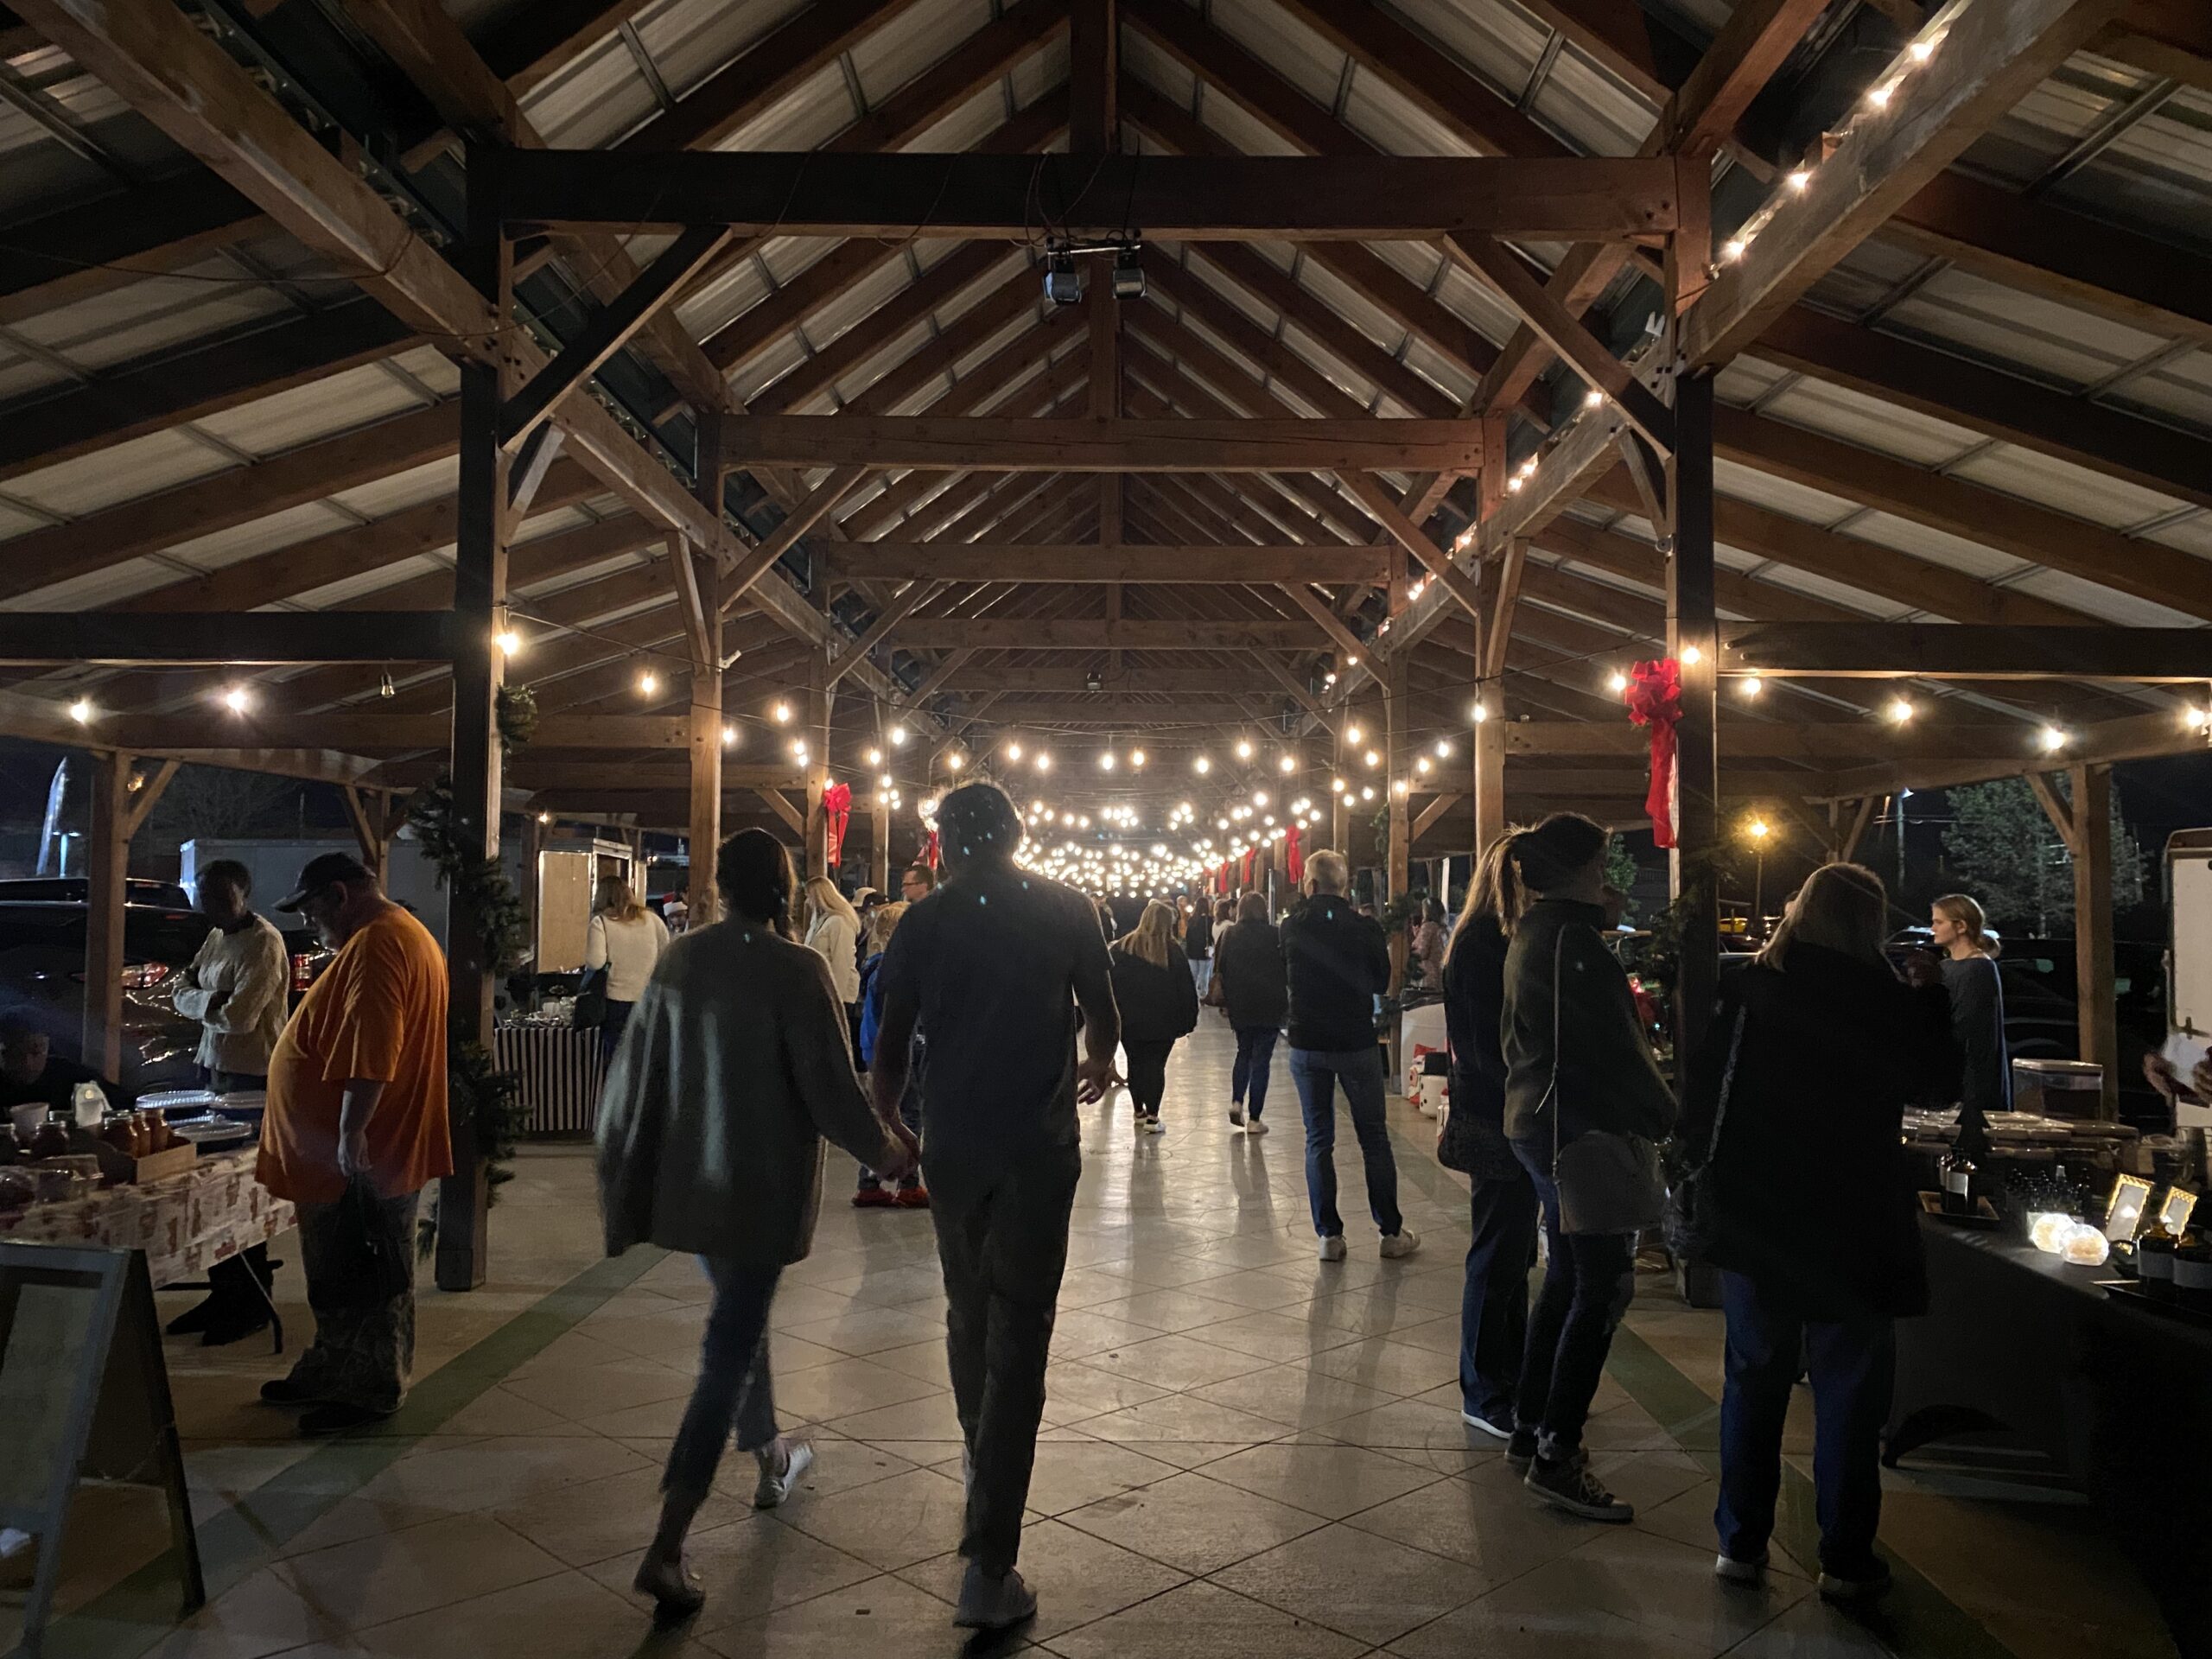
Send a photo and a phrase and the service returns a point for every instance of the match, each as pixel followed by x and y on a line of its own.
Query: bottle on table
pixel 1955 1170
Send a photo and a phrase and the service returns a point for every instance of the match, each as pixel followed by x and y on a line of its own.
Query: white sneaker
pixel 1332 1247
pixel 1729 1570
pixel 1255 1126
pixel 1403 1242
pixel 1237 1115
pixel 1499 1432
pixel 1154 1125
pixel 776 1484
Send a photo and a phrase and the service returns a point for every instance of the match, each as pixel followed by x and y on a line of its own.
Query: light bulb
pixel 1372 758
pixel 1751 685
pixel 545 817
pixel 1136 757
pixel 1617 682
pixel 954 761
pixel 729 737
pixel 1421 765
pixel 1044 761
pixel 236 700
pixel 1106 760
pixel 1691 656
pixel 80 711
pixel 883 782
pixel 1400 786
pixel 1367 792
pixel 1243 750
pixel 648 681
pixel 1880 96
pixel 1758 830
pixel 1353 733
pixel 1201 765
pixel 508 641
pixel 1352 661
pixel 1287 764
pixel 1259 798
pixel 1801 178
pixel 2052 739
pixel 781 714
pixel 1899 710
pixel 1593 398
pixel 1013 751
pixel 1444 748
pixel 875 757
pixel 1336 785
pixel 1921 50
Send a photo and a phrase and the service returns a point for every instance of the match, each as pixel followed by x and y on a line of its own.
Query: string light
pixel 1800 179
pixel 1400 787
pixel 729 737
pixel 1336 785
pixel 1444 748
pixel 1372 758
pixel 1044 760
pixel 237 700
pixel 1106 760
pixel 1136 757
pixel 875 757
pixel 2052 739
pixel 1900 709
pixel 1353 733
pixel 81 711
pixel 508 641
pixel 1013 751
pixel 1201 765
pixel 1287 764
pixel 1366 791
pixel 1478 713
pixel 648 681
pixel 1244 749
pixel 1420 764
pixel 1691 656
pixel 781 714
pixel 1593 398
pixel 898 736
pixel 954 761
pixel 1617 682
pixel 1751 685
pixel 545 817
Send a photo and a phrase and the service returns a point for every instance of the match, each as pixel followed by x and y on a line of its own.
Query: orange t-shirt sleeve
pixel 369 1036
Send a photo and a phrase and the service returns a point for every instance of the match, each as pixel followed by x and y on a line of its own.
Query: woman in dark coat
pixel 1494 1306
pixel 1577 1063
pixel 1255 994
pixel 1159 1002
pixel 1814 1050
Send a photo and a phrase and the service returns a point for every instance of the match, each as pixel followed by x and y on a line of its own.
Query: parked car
pixel 70 889
pixel 42 972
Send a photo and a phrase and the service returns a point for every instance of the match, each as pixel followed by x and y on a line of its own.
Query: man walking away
pixel 356 1125
pixel 994 964
pixel 1198 945
pixel 1338 963
pixel 236 988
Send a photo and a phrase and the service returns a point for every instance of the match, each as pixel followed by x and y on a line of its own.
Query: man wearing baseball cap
pixel 356 1126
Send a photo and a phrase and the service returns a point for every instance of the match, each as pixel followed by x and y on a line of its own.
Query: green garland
pixel 516 711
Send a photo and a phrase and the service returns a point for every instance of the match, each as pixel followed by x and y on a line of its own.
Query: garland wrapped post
pixel 1655 699
pixel 1294 856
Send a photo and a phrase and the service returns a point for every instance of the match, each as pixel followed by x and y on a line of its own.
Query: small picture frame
pixel 2131 1196
pixel 2175 1209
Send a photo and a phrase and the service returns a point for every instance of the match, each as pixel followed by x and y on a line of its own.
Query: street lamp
pixel 1758 830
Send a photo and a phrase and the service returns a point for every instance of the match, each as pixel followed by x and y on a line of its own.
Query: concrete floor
pixel 1248 1451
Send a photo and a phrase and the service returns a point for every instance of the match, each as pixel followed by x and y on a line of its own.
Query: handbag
pixel 1692 1204
pixel 591 1001
pixel 366 1266
pixel 1608 1182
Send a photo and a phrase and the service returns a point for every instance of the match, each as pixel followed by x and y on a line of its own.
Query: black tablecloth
pixel 2118 1396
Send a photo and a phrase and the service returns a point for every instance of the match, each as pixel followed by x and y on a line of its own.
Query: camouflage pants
pixel 360 1355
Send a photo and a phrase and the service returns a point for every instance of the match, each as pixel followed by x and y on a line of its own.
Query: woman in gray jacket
pixel 734 1067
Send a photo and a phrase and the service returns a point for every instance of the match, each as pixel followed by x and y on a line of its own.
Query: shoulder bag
pixel 1692 1204
pixel 1609 1182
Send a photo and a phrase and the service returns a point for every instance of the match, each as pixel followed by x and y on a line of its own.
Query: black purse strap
pixel 1551 1093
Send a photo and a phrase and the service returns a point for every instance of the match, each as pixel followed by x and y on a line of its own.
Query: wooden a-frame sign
pixel 84 1394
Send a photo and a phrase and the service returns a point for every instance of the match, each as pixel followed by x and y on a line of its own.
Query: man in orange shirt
pixel 356 1126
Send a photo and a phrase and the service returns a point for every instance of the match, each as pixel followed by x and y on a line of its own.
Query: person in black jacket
pixel 1796 1098
pixel 1248 962
pixel 1198 944
pixel 1577 1063
pixel 1338 963
pixel 1159 1002
pixel 1494 1305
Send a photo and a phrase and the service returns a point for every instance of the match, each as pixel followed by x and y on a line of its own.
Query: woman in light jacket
pixel 626 939
pixel 710 1136
pixel 833 928
pixel 1158 1001
pixel 1815 1051
pixel 1576 1064
pixel 1256 995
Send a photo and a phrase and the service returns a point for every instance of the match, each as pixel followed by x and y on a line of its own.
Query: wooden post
pixel 1692 631
pixel 2095 989
pixel 479 593
pixel 1398 762
pixel 817 767
pixel 879 818
pixel 706 744
pixel 107 857
pixel 533 844
pixel 1341 815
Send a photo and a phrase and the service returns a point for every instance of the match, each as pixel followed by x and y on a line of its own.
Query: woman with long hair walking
pixel 709 1140
pixel 625 939
pixel 1256 995
pixel 1158 1001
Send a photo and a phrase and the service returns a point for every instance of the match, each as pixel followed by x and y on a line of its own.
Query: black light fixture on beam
pixel 1128 276
pixel 1062 281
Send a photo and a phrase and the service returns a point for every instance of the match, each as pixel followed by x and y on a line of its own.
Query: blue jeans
pixel 1589 1279
pixel 733 1390
pixel 1317 1072
pixel 1853 1371
pixel 1247 1078
pixel 1494 1304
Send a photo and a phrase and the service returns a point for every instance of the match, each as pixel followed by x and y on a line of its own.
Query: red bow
pixel 1655 699
pixel 929 850
pixel 1296 858
pixel 836 812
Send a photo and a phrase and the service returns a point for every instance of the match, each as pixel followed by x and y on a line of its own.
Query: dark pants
pixel 1853 1367
pixel 734 1388
pixel 1494 1304
pixel 1317 1072
pixel 1003 1250
pixel 234 1298
pixel 1148 1073
pixel 361 1354
pixel 611 1027
pixel 1247 1078
pixel 1589 1279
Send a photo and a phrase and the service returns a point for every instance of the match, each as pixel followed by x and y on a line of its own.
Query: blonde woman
pixel 624 938
pixel 1158 1001
pixel 1961 932
pixel 833 928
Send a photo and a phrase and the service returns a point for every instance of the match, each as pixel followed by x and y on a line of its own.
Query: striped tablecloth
pixel 185 1223
pixel 560 1073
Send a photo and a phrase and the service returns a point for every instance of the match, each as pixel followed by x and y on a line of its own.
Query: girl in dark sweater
pixel 1160 1005
pixel 1255 994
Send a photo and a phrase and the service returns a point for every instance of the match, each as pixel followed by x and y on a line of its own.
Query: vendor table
pixel 560 1071
pixel 2118 1396
pixel 185 1223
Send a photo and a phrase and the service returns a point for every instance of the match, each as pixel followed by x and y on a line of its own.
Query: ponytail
pixel 1968 912
pixel 1544 859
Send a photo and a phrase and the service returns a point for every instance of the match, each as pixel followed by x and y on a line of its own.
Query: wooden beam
pixel 1345 640
pixel 1962 651
pixel 1429 815
pixel 1993 53
pixel 969 197
pixel 236 637
pixel 2061 814
pixel 1378 499
pixel 2095 989
pixel 1127 446
pixel 77 252
pixel 1096 563
pixel 879 630
pixel 758 561
pixel 1073 634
